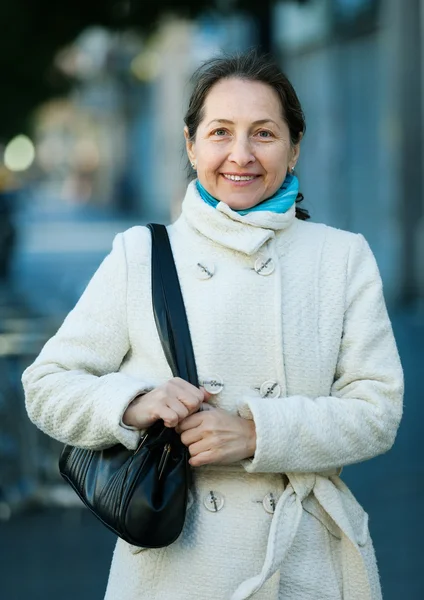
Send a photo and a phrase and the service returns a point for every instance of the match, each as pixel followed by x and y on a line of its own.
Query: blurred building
pixel 83 140
pixel 357 67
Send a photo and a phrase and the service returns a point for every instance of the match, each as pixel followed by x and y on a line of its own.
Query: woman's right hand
pixel 173 401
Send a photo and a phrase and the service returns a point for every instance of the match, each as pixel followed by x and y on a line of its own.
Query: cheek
pixel 211 160
pixel 276 162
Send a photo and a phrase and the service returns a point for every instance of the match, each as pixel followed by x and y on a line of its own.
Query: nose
pixel 241 152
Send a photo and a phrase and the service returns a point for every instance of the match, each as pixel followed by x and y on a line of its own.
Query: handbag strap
pixel 168 308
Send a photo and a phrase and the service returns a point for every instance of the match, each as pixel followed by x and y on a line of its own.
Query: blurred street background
pixel 91 105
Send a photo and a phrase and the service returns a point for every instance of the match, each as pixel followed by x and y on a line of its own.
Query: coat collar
pixel 224 226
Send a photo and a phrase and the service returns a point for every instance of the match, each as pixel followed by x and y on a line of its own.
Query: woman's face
pixel 242 148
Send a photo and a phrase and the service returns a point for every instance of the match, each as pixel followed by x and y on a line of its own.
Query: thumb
pixel 206 395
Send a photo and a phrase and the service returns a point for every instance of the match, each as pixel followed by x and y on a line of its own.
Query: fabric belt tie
pixel 284 526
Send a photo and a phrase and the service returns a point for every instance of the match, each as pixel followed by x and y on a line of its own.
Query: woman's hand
pixel 173 401
pixel 217 436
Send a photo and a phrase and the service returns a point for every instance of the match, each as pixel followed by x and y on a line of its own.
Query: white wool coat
pixel 290 329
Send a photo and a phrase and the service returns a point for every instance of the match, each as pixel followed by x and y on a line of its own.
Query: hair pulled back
pixel 250 66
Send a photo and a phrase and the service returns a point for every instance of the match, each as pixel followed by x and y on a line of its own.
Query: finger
pixel 190 422
pixel 191 436
pixel 169 416
pixel 178 407
pixel 206 395
pixel 203 445
pixel 204 458
pixel 188 389
pixel 189 395
pixel 190 401
pixel 204 407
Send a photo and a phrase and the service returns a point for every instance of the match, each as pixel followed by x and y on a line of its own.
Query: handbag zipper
pixel 143 439
pixel 164 459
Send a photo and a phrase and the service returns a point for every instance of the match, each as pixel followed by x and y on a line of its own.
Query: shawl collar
pixel 224 226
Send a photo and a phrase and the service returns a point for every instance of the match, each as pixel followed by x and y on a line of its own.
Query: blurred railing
pixel 28 458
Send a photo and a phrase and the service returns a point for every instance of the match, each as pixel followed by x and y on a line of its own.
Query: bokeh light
pixel 19 153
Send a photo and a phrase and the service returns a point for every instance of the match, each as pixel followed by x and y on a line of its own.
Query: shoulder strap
pixel 169 309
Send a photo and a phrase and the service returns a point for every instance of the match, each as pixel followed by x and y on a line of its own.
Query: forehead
pixel 232 98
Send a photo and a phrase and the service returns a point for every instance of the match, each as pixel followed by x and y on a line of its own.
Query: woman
pixel 298 366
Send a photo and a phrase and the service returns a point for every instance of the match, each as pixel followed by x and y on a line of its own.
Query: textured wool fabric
pixel 288 320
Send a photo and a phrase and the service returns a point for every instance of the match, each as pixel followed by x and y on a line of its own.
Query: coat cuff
pixel 122 389
pixel 265 459
pixel 121 422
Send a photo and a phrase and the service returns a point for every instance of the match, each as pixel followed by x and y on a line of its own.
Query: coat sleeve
pixel 360 417
pixel 73 390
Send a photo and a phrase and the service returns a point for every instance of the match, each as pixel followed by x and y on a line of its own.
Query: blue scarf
pixel 280 202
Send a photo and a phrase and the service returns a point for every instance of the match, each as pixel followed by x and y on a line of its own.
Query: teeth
pixel 240 177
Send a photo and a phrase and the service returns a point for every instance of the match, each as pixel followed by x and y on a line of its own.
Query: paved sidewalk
pixel 54 554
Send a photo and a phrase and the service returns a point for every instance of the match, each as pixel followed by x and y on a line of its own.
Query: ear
pixel 189 146
pixel 295 151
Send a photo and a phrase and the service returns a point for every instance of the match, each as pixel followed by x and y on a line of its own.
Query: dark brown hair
pixel 254 67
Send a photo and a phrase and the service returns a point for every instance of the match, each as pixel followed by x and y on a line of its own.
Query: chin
pixel 240 204
pixel 240 201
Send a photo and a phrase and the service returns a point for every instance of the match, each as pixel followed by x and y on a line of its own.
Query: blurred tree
pixel 34 30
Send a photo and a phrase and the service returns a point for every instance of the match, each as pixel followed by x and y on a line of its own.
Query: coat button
pixel 213 385
pixel 269 503
pixel 270 389
pixel 213 501
pixel 264 266
pixel 205 269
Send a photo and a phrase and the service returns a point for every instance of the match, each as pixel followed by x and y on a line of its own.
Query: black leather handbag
pixel 141 495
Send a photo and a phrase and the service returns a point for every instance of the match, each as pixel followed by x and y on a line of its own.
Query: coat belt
pixel 284 526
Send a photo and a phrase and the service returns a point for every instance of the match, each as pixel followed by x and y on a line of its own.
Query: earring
pixel 193 165
pixel 292 170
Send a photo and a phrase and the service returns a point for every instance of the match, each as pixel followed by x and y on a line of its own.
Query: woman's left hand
pixel 214 435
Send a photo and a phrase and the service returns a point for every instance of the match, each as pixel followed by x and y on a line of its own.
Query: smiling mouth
pixel 239 177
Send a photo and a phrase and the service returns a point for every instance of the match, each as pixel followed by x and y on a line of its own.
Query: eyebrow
pixel 228 122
